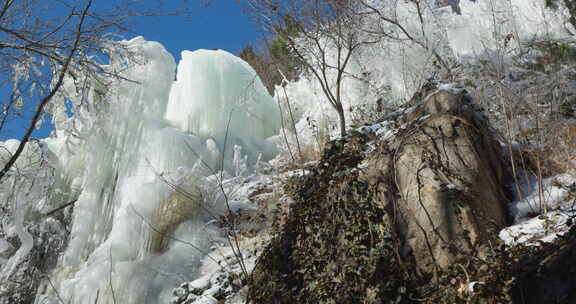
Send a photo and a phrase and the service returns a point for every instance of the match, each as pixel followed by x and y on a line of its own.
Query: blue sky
pixel 219 24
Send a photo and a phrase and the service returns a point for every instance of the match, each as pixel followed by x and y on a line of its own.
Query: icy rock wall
pixel 495 25
pixel 7 193
pixel 149 130
pixel 24 186
pixel 389 71
pixel 218 95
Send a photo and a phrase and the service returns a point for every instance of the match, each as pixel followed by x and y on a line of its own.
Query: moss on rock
pixel 337 246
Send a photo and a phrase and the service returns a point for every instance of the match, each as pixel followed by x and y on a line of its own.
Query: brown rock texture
pixel 380 217
pixel 448 175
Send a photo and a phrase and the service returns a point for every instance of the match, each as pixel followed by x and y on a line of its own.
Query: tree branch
pixel 40 108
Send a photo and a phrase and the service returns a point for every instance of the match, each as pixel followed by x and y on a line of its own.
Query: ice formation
pixel 390 71
pixel 503 26
pixel 29 166
pixel 218 95
pixel 145 131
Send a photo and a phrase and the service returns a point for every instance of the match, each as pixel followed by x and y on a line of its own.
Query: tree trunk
pixel 342 120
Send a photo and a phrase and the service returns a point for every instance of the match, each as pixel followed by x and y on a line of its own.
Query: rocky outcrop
pixel 335 244
pixel 385 212
pixel 548 274
pixel 444 180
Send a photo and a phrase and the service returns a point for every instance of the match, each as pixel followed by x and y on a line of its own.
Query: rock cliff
pixel 385 213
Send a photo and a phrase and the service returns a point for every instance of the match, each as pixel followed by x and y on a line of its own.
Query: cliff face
pixel 385 213
pixel 446 180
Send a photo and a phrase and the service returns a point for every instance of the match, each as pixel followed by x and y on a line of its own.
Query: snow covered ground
pixel 542 211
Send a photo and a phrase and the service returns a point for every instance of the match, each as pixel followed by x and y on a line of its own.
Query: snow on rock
pixel 220 276
pixel 542 213
pixel 222 272
pixel 539 229
pixel 553 193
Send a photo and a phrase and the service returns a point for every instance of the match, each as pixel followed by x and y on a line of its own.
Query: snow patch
pixel 544 212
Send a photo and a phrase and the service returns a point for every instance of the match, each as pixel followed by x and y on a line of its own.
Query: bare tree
pixel 391 27
pixel 44 41
pixel 325 35
pixel 322 35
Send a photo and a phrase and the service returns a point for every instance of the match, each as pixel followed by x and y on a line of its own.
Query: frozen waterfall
pixel 145 130
pixel 211 86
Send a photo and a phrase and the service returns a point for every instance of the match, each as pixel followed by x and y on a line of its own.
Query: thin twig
pixel 62 207
pixel 40 108
pixel 110 279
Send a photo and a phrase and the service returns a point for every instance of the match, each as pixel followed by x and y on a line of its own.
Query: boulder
pixel 447 174
pixel 380 216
